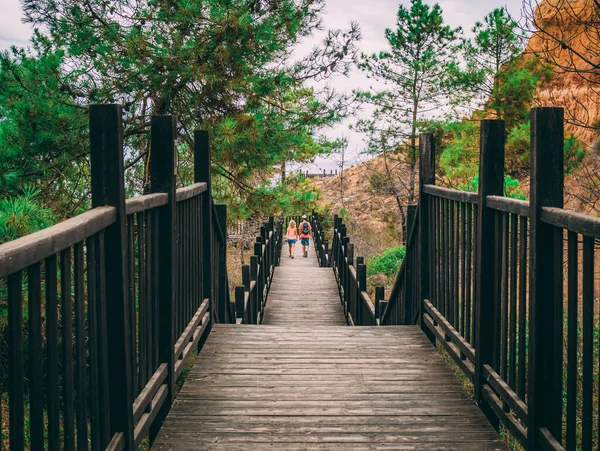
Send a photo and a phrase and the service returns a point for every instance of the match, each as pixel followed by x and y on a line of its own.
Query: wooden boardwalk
pixel 305 381
pixel 303 294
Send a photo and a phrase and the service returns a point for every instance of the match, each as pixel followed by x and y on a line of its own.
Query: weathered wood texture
pixel 297 386
pixel 303 293
pixel 304 380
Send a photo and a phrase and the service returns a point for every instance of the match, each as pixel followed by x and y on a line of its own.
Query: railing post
pixel 411 305
pixel 163 180
pixel 240 294
pixel 249 309
pixel 379 296
pixel 545 277
pixel 202 173
pixel 108 188
pixel 256 298
pixel 222 308
pixel 260 273
pixel 346 297
pixel 426 177
pixel 361 278
pixel 491 182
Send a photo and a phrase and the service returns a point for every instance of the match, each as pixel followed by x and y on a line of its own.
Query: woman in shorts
pixel 291 237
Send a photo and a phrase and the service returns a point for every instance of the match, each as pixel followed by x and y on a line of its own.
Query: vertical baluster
pixel 514 224
pixel 143 299
pixel 67 341
pixel 587 415
pixel 52 353
pixel 572 351
pixel 439 254
pixel 504 299
pixel 148 302
pixel 463 270
pixel 80 349
pixel 468 262
pixel 497 299
pixel 92 273
pixel 36 403
pixel 15 358
pixel 132 299
pixel 103 349
pixel 522 348
pixel 455 264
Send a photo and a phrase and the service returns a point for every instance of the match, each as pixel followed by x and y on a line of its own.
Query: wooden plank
pixel 299 386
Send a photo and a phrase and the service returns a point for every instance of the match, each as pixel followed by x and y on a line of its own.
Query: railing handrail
pixel 18 254
pixel 130 340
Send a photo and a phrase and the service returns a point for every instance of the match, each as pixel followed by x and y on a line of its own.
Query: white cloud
pixel 12 29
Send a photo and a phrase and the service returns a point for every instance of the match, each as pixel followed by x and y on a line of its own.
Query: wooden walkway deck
pixel 305 381
pixel 303 294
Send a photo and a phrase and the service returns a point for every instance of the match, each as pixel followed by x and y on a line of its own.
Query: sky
pixel 373 17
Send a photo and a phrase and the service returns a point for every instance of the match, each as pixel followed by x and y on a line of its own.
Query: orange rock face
pixel 567 38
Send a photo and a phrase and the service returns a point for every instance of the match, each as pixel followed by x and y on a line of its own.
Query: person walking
pixel 305 231
pixel 291 236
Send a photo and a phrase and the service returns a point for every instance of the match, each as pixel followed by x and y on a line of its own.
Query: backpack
pixel 305 229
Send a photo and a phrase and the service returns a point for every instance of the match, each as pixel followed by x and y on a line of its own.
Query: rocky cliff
pixel 567 38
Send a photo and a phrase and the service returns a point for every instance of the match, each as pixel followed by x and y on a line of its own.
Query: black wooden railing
pixel 117 299
pixel 321 244
pixel 251 297
pixel 484 276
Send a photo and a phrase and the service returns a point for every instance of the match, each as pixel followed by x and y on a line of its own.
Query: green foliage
pixel 344 214
pixel 516 85
pixel 495 44
pixel 512 187
pixel 43 140
pixel 388 262
pixel 517 150
pixel 575 151
pixel 224 66
pixel 459 159
pixel 22 215
pixel 416 71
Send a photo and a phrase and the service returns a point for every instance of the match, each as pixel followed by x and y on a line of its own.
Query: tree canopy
pixel 222 65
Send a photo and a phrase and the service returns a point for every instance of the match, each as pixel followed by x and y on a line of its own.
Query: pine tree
pixel 496 43
pixel 416 71
pixel 221 65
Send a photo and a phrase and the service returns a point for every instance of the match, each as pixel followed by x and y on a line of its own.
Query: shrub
pixel 388 262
